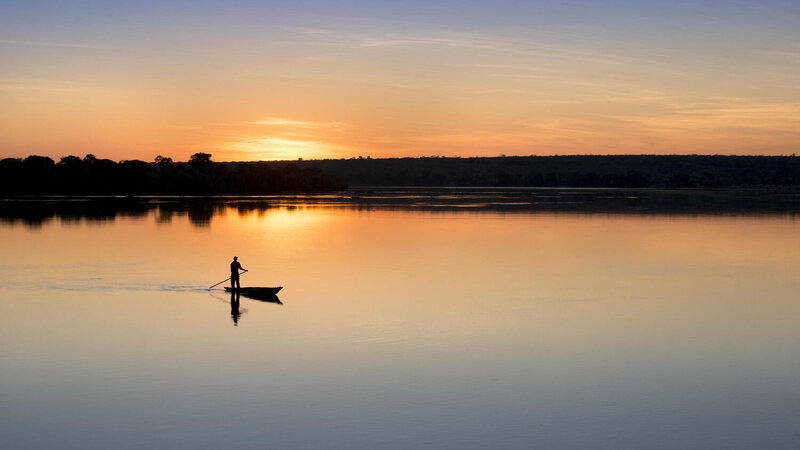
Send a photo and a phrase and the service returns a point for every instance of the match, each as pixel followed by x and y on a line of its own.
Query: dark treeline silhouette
pixel 200 176
pixel 627 171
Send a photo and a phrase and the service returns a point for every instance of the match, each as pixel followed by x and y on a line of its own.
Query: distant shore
pixel 36 175
pixel 351 191
pixel 619 171
pixel 199 176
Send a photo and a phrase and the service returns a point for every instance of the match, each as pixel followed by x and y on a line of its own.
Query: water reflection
pixel 33 212
pixel 235 314
pixel 270 298
pixel 237 311
pixel 601 330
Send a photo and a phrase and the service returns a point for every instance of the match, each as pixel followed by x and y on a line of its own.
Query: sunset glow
pixel 288 80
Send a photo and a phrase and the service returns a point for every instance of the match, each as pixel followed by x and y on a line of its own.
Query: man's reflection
pixel 235 314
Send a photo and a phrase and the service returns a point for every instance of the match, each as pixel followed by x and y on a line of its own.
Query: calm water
pixel 421 326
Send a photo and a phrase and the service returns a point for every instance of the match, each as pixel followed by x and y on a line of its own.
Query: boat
pixel 265 294
pixel 256 291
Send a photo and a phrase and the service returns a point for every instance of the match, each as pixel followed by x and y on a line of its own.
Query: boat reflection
pixel 236 311
pixel 266 298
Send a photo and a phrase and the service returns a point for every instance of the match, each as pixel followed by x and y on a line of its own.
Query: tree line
pixel 72 175
pixel 628 171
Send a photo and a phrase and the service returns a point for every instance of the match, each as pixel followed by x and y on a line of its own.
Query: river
pixel 406 320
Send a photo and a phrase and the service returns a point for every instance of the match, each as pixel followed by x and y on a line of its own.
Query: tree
pixel 70 161
pixel 201 162
pixel 200 158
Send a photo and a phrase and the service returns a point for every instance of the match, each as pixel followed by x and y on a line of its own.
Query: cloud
pixel 304 128
pixel 273 147
pixel 65 45
pixel 302 124
pixel 785 56
pixel 309 30
pixel 284 139
pixel 50 87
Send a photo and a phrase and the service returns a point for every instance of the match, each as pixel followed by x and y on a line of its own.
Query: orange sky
pixel 244 82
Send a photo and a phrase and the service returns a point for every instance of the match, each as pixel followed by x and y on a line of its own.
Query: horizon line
pixel 369 157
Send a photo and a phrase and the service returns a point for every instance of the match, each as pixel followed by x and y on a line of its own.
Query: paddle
pixel 226 279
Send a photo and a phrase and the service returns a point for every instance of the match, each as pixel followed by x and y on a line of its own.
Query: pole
pixel 226 279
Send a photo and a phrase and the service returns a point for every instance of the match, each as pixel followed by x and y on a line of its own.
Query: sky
pixel 274 80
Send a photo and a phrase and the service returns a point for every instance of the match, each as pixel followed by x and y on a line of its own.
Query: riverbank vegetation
pixel 199 176
pixel 626 171
pixel 72 175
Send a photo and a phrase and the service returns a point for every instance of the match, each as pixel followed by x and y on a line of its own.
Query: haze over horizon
pixel 246 80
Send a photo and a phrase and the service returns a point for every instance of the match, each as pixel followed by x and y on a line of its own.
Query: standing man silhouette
pixel 235 266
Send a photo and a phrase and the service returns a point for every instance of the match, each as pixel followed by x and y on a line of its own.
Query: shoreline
pixel 751 190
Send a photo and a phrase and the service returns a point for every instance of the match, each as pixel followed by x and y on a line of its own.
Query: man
pixel 235 266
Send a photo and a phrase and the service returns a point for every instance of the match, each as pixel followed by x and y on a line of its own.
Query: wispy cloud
pixel 721 117
pixel 66 45
pixel 792 57
pixel 304 124
pixel 309 30
pixel 272 147
pixel 372 41
pixel 49 86
pixel 282 138
pixel 590 50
